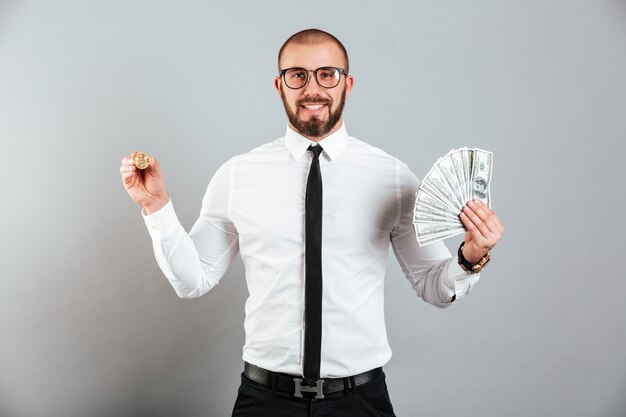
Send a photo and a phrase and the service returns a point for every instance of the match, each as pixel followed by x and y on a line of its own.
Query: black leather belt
pixel 295 385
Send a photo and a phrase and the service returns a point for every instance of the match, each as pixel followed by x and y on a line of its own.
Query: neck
pixel 319 138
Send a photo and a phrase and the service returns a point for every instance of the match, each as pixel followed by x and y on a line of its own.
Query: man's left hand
pixel 484 230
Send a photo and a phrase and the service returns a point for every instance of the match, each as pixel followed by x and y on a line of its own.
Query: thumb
pixel 155 167
pixel 153 172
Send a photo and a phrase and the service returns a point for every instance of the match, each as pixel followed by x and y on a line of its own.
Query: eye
pixel 296 74
pixel 326 73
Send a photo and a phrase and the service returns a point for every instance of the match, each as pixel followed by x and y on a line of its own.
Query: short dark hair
pixel 314 36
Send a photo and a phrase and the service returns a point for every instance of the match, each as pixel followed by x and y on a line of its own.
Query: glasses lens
pixel 328 77
pixel 296 77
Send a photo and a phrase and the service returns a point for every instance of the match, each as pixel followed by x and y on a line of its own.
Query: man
pixel 315 260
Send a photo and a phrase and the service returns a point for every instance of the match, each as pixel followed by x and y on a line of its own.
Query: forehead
pixel 312 56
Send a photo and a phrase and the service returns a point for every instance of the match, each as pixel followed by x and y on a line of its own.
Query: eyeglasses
pixel 327 77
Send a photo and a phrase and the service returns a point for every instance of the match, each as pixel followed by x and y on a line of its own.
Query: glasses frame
pixel 284 71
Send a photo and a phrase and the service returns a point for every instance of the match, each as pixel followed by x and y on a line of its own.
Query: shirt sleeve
pixel 433 273
pixel 195 262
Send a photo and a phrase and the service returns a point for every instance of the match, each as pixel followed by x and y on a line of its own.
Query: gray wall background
pixel 90 327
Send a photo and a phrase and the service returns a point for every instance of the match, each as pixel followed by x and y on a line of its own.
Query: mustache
pixel 313 100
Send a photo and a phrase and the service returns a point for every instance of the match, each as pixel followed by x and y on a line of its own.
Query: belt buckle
pixel 318 389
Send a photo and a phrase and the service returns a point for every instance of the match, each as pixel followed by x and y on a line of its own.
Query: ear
pixel 277 83
pixel 349 85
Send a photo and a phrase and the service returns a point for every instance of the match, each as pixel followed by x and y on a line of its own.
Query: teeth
pixel 314 107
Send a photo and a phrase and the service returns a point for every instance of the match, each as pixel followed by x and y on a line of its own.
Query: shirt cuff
pixel 162 222
pixel 458 281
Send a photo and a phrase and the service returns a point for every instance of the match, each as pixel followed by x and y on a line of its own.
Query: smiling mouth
pixel 313 107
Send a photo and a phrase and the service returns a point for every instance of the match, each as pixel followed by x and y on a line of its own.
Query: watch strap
pixel 470 267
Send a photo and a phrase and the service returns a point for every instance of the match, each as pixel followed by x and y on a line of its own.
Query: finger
pixel 129 164
pixel 126 175
pixel 494 221
pixel 128 168
pixel 477 221
pixel 154 167
pixel 478 202
pixel 498 224
pixel 485 214
pixel 129 179
pixel 129 159
pixel 471 227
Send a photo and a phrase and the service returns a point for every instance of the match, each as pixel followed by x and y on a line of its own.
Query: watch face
pixel 481 263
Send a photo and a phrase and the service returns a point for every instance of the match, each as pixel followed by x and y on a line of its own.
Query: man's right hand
pixel 145 187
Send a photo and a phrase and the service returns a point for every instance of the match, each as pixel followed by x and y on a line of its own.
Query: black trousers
pixel 257 400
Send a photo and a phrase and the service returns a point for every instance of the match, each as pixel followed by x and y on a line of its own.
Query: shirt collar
pixel 333 144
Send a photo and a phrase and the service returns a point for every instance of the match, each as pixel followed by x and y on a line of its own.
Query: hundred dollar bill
pixel 432 216
pixel 446 168
pixel 424 229
pixel 444 235
pixel 422 241
pixel 459 170
pixel 424 213
pixel 424 204
pixel 468 156
pixel 481 175
pixel 437 184
pixel 428 196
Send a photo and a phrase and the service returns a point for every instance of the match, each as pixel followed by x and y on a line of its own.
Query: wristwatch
pixel 470 267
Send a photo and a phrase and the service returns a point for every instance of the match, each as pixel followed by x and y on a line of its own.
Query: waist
pixel 296 386
pixel 341 358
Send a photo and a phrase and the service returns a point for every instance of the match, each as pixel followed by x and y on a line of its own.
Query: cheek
pixel 292 101
pixel 288 98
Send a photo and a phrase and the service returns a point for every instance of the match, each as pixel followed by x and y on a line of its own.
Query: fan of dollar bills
pixel 460 176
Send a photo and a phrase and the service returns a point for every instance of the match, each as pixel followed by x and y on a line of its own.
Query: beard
pixel 314 127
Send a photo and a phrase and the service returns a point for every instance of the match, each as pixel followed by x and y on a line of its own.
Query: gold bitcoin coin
pixel 142 160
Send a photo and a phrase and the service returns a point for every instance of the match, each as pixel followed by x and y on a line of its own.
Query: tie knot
pixel 317 150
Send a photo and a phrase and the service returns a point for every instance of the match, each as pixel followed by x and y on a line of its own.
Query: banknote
pixel 459 171
pixel 456 178
pixel 467 156
pixel 425 240
pixel 438 198
pixel 481 176
pixel 446 168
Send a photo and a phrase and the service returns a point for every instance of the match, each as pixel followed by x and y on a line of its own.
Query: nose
pixel 311 84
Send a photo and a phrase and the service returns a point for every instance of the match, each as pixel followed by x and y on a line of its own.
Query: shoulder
pixel 252 155
pixel 262 152
pixel 361 147
pixel 380 158
pixel 356 144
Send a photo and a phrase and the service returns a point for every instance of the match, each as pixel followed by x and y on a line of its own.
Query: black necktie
pixel 313 280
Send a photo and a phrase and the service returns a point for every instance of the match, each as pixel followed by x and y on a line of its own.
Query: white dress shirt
pixel 255 205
